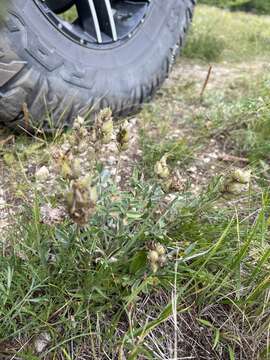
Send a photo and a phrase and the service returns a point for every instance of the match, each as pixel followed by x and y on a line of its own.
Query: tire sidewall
pixel 61 78
pixel 150 42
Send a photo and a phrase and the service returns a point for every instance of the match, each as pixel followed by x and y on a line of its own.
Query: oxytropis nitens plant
pixel 78 160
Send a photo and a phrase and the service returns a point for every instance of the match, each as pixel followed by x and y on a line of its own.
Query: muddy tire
pixel 47 78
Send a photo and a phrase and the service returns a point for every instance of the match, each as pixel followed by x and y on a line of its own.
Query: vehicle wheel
pixel 110 54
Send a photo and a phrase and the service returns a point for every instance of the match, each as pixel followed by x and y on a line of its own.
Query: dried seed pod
pixel 162 260
pixel 81 201
pixel 154 267
pixel 176 182
pixel 93 194
pixel 166 184
pixel 160 249
pixel 103 127
pixel 153 256
pixel 161 168
pixel 151 245
pixel 82 133
pixel 78 123
pixel 107 131
pixel 65 169
pixel 104 115
pixel 76 168
pixel 123 138
pixel 236 188
pixel 241 176
pixel 107 127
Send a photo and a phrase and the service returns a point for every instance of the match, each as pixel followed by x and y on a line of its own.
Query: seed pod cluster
pixel 81 193
pixel 161 168
pixel 123 138
pixel 156 256
pixel 107 131
pixel 78 123
pixel 237 182
pixel 103 128
pixel 69 167
pixel 78 138
pixel 169 180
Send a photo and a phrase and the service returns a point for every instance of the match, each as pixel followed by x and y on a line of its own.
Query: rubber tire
pixel 50 79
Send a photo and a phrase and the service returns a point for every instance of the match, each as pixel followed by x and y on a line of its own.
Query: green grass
pixel 221 35
pixel 83 287
pixel 247 121
pixel 257 6
pixel 92 289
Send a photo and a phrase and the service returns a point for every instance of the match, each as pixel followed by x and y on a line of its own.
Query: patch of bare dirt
pixel 222 75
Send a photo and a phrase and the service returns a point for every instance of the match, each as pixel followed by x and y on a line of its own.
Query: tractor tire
pixel 47 78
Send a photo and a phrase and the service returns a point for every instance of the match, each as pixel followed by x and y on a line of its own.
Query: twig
pixel 206 81
pixel 9 139
pixel 26 115
pixel 232 158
